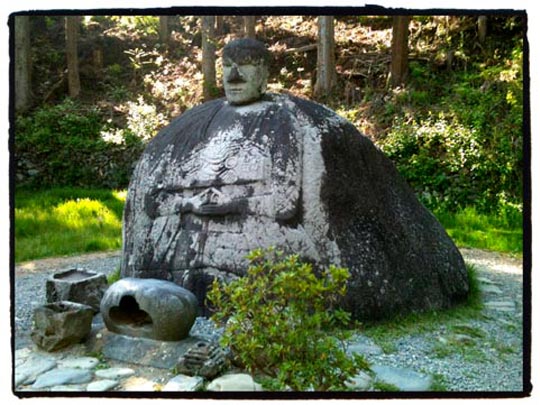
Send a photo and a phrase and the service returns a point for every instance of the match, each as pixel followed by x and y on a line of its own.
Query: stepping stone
pixel 78 362
pixel 184 383
pixel 22 355
pixel 63 376
pixel 485 280
pixel 360 382
pixel 68 388
pixel 32 368
pixel 234 382
pixel 502 306
pixel 114 373
pixel 102 385
pixel 363 345
pixel 490 288
pixel 403 378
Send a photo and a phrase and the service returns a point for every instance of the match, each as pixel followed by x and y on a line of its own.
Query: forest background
pixel 452 123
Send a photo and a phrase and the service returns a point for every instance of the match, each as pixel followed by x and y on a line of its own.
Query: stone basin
pixel 60 324
pixel 149 308
pixel 77 285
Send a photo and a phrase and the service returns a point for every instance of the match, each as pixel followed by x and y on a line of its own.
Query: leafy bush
pixel 283 321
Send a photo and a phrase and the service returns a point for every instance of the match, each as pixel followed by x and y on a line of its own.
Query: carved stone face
pixel 244 80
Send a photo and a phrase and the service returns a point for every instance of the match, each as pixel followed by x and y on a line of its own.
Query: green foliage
pixel 283 321
pixel 462 143
pixel 500 231
pixel 66 221
pixel 114 277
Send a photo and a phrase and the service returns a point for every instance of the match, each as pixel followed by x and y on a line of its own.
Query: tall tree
pixel 326 58
pixel 249 26
pixel 23 63
pixel 482 28
pixel 400 50
pixel 208 57
pixel 219 25
pixel 164 29
pixel 72 36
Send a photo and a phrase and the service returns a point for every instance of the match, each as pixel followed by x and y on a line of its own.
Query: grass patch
pixel 66 221
pixel 470 228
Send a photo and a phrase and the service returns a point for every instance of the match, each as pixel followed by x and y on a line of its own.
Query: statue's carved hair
pixel 247 50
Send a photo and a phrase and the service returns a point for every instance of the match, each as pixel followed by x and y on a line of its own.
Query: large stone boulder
pixel 224 179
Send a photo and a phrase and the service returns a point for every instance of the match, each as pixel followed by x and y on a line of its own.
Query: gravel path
pixel 483 354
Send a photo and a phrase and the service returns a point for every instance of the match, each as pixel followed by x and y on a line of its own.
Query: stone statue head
pixel 245 70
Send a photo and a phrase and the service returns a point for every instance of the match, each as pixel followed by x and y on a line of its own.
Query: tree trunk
pixel 326 58
pixel 23 64
pixel 72 35
pixel 219 25
pixel 249 26
pixel 164 29
pixel 400 50
pixel 482 28
pixel 208 57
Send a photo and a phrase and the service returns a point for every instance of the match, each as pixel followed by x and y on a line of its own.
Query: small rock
pixel 63 376
pixel 32 368
pixel 184 383
pixel 234 382
pixel 360 382
pixel 78 362
pixel 114 373
pixel 102 385
pixel 403 378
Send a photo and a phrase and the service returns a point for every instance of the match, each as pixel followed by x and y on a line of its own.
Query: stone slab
pixel 102 385
pixel 184 383
pixel 63 376
pixel 34 365
pixel 115 373
pixel 403 378
pixel 78 362
pixel 143 351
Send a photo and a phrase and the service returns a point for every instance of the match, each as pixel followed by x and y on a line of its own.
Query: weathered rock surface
pixel 222 180
pixel 77 285
pixel 61 324
pixel 150 308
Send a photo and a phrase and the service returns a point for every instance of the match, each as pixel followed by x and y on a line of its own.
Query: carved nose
pixel 234 76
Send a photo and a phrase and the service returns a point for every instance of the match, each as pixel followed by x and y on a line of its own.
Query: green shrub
pixel 67 145
pixel 283 321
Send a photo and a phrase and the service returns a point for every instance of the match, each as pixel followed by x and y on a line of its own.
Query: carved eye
pixel 231 162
